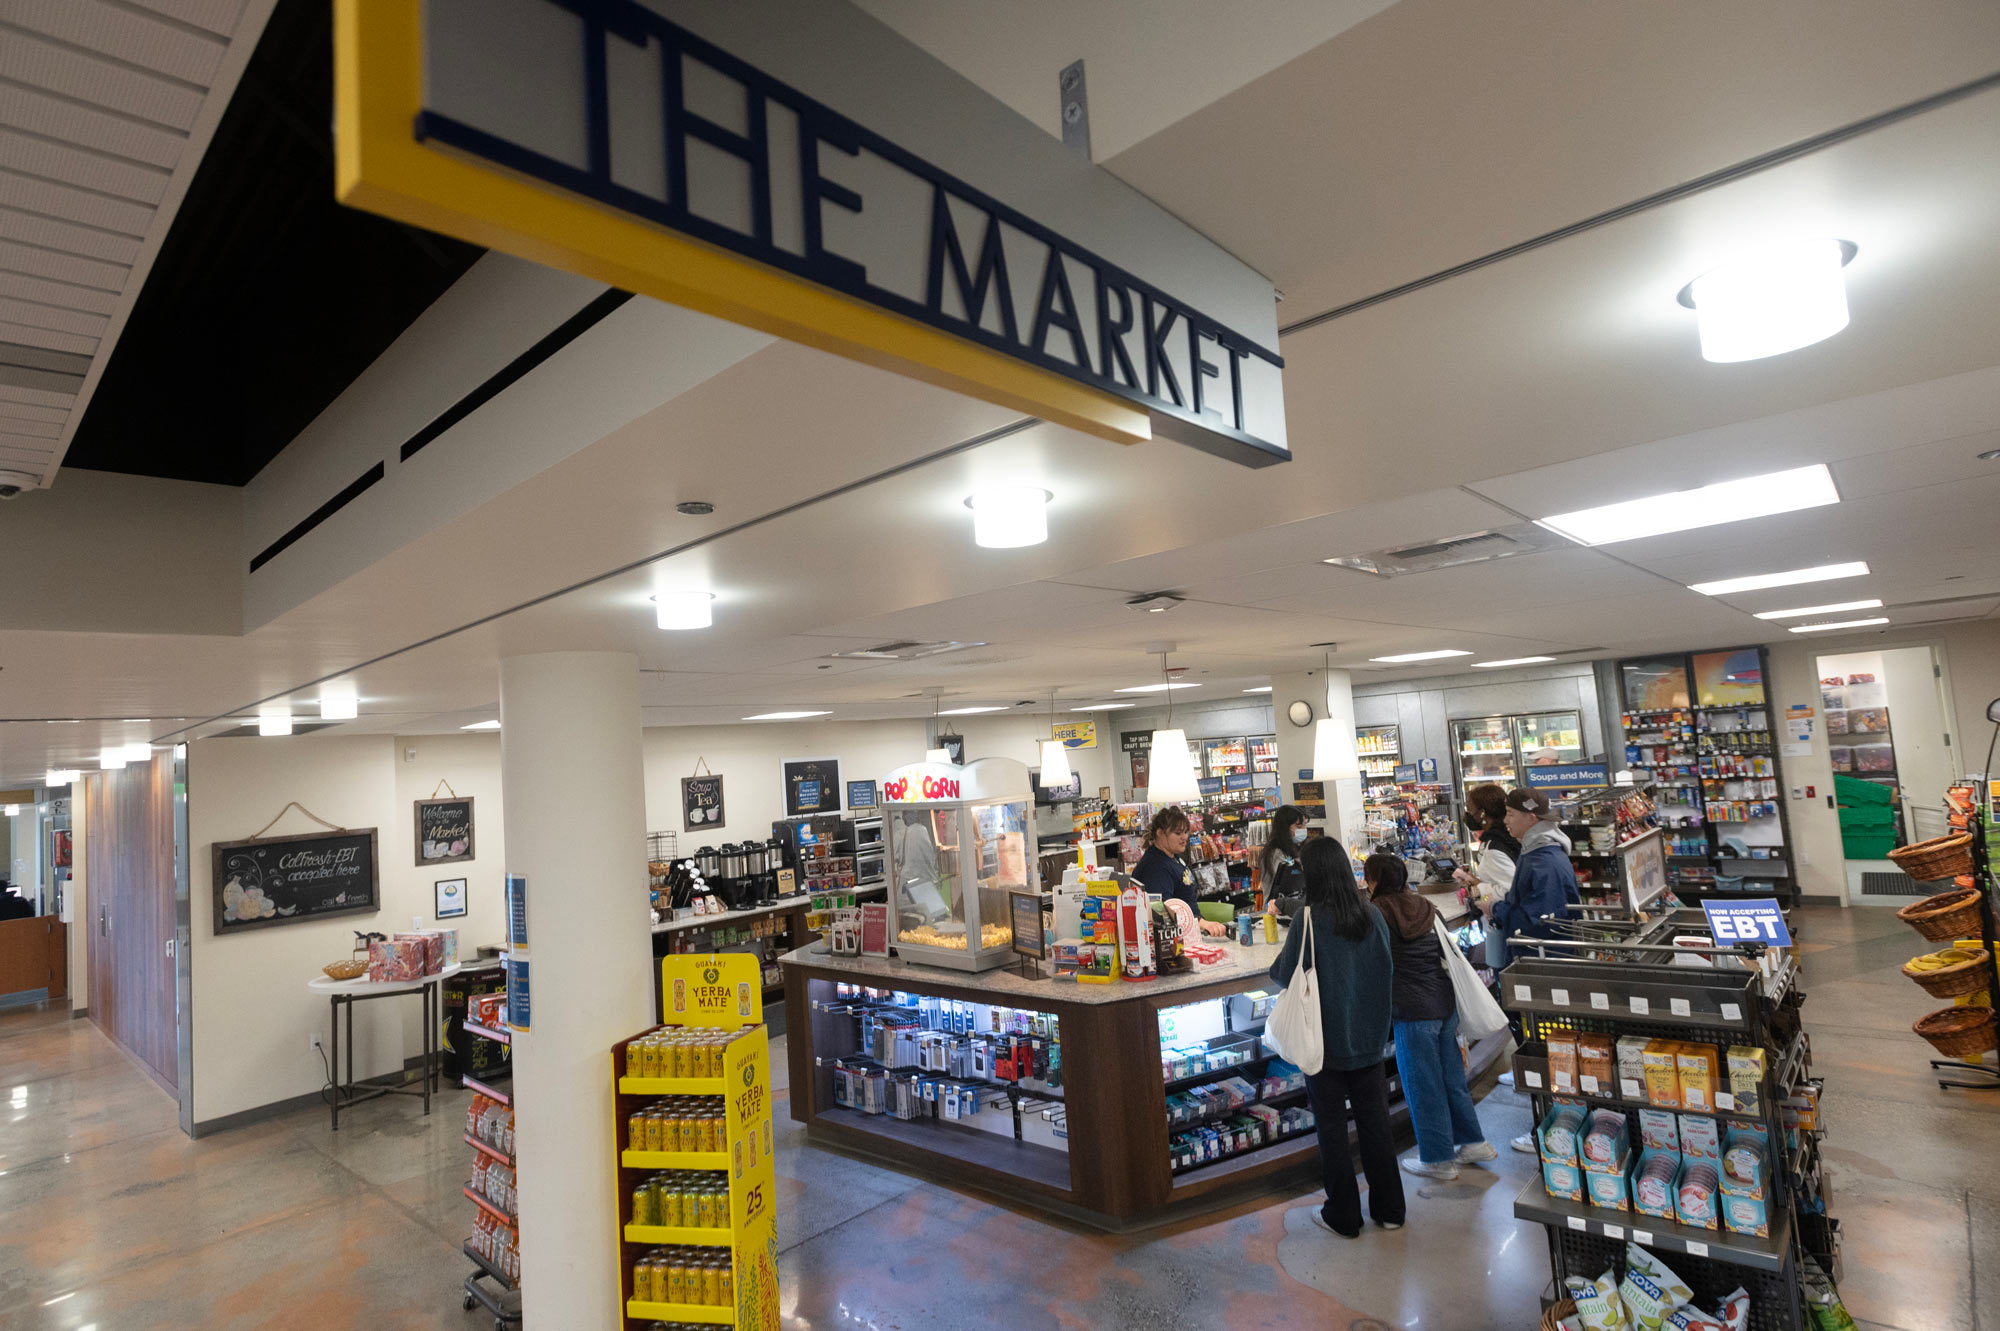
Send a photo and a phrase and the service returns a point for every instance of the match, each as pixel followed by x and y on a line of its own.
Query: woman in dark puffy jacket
pixel 1426 1013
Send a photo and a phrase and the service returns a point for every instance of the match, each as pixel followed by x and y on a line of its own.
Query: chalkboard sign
pixel 812 785
pixel 701 802
pixel 444 831
pixel 288 879
pixel 1024 911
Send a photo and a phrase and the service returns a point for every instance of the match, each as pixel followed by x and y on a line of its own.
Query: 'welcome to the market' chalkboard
pixel 444 831
pixel 287 879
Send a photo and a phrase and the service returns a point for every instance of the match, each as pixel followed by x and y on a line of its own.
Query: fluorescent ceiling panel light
pixel 784 716
pixel 684 610
pixel 338 701
pixel 1757 582
pixel 1418 656
pixel 1512 661
pixel 482 725
pixel 274 721
pixel 1843 624
pixel 1006 517
pixel 1055 764
pixel 1834 609
pixel 112 759
pixel 969 711
pixel 1770 300
pixel 140 752
pixel 1156 688
pixel 1261 688
pixel 1705 506
pixel 11 810
pixel 138 720
pixel 1103 706
pixel 1172 778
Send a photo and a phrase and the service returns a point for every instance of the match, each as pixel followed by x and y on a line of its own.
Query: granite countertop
pixel 1238 963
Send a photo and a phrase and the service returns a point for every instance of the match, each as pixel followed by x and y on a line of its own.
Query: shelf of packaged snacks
pixel 486 1090
pixel 1221 1112
pixel 674 1159
pixel 512 1222
pixel 672 1086
pixel 487 1033
pixel 679 1235
pixel 1531 1074
pixel 493 1151
pixel 1768 1253
pixel 706 1313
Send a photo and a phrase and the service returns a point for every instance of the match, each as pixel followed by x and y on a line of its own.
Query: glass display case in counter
pixel 1226 1093
pixel 959 843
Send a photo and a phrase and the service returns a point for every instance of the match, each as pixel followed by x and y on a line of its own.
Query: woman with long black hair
pixel 1350 956
pixel 1283 874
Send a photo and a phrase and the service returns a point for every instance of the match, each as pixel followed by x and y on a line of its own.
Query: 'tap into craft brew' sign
pixel 798 167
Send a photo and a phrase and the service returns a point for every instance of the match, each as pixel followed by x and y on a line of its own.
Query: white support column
pixel 574 781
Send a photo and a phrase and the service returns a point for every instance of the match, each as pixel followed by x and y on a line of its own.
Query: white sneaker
pixel 1525 1144
pixel 1443 1169
pixel 1506 1079
pixel 1478 1151
pixel 1391 1224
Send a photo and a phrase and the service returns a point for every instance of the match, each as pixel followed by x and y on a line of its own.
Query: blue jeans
pixel 1433 1074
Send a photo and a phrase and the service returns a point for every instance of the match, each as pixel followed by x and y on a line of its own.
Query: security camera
pixel 13 482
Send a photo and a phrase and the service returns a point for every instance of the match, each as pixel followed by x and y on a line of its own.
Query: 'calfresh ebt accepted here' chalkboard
pixel 287 879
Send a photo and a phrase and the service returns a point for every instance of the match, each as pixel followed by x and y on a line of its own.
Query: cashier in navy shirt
pixel 1163 871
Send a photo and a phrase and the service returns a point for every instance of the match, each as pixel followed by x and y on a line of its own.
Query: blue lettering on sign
pixel 973 264
pixel 1237 781
pixel 1754 920
pixel 1208 785
pixel 1566 776
pixel 808 794
pixel 1405 774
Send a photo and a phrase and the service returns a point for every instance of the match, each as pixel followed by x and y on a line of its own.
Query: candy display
pixel 1659 1130
pixel 1653 1183
pixel 1631 1060
pixel 1743 1163
pixel 1563 1062
pixel 1746 1078
pixel 1695 1064
pixel 1558 1134
pixel 1698 1137
pixel 1606 1141
pixel 1609 1188
pixel 1595 1065
pixel 1663 1081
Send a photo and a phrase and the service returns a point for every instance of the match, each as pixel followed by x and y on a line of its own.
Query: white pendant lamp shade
pixel 112 759
pixel 1055 764
pixel 1334 757
pixel 338 701
pixel 274 721
pixel 1006 516
pixel 1775 299
pixel 1173 780
pixel 684 610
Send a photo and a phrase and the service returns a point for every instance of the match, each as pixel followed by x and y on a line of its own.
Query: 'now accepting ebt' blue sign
pixel 1757 920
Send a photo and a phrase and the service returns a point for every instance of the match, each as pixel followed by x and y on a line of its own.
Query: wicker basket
pixel 1958 1032
pixel 1966 977
pixel 1948 915
pixel 346 970
pixel 1940 857
pixel 1561 1308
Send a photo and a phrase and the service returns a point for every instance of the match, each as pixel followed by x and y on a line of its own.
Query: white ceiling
pixel 105 109
pixel 1555 380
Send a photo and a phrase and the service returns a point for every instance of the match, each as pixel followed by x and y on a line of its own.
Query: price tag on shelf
pixel 1643 1237
pixel 1523 994
pixel 1533 1079
pixel 1601 1002
pixel 1731 1012
pixel 1724 1100
pixel 1560 997
pixel 1681 1007
pixel 1614 1231
pixel 1642 1007
pixel 1697 1249
pixel 1631 1089
pixel 1579 1224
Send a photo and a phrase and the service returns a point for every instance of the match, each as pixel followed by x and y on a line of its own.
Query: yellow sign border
pixel 380 166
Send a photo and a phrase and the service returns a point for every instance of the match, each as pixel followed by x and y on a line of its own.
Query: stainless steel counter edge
pixel 1238 963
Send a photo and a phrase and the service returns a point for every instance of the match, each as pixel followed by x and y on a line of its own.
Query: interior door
pixel 130 827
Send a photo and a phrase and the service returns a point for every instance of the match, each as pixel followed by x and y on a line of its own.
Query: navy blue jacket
pixel 1355 983
pixel 1161 875
pixel 1544 884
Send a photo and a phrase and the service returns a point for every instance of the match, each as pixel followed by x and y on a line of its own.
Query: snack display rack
pixel 1969 811
pixel 1618 849
pixel 494 1249
pixel 1625 982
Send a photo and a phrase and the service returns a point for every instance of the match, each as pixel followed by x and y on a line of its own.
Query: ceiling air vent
pixel 904 651
pixel 1452 551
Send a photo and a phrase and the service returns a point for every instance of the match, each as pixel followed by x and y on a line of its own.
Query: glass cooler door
pixel 1550 737
pixel 1484 751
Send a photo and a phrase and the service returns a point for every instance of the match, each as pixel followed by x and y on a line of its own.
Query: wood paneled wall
pixel 34 954
pixel 129 822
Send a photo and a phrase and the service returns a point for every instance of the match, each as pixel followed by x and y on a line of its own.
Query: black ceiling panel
pixel 268 298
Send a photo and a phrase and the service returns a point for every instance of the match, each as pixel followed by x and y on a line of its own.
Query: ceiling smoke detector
pixel 1157 603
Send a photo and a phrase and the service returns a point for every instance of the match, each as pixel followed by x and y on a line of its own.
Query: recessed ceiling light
pixel 1757 582
pixel 338 700
pixel 1157 688
pixel 1512 661
pixel 784 716
pixel 1834 609
pixel 1419 656
pixel 1008 516
pixel 272 721
pixel 1775 298
pixel 138 720
pixel 1261 688
pixel 1103 706
pixel 969 711
pixel 1706 506
pixel 482 725
pixel 684 610
pixel 112 759
pixel 1843 624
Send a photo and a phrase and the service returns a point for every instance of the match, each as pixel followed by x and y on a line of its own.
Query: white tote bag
pixel 1293 1031
pixel 1478 1015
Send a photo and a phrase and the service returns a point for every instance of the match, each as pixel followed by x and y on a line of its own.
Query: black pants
pixel 1330 1091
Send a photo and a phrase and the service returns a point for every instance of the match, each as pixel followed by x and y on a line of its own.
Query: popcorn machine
pixel 960 840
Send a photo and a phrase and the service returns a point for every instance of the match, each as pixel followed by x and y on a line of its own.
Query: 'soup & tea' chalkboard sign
pixel 288 879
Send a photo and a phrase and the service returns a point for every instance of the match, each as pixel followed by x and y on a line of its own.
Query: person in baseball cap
pixel 1544 884
pixel 1524 800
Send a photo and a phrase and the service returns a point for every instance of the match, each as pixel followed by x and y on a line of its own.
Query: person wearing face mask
pixel 1544 881
pixel 1163 871
pixel 1283 875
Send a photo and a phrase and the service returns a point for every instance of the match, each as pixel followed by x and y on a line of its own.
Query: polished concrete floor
pixel 111 1220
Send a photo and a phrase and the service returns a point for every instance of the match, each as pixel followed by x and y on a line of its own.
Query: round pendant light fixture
pixel 1005 517
pixel 1772 299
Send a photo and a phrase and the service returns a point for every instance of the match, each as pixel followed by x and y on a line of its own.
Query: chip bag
pixel 1735 1310
pixel 1650 1290
pixel 1598 1304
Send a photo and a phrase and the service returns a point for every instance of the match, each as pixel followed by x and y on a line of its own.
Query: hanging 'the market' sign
pixel 694 152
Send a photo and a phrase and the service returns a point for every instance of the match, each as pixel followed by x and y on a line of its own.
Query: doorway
pixel 1888 740
pixel 131 913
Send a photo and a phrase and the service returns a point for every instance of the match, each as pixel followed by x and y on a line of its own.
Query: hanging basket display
pixel 1958 1032
pixel 1948 915
pixel 1952 972
pixel 1940 857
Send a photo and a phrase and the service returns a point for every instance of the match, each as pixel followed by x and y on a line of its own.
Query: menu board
pixel 287 879
pixel 701 802
pixel 812 785
pixel 444 831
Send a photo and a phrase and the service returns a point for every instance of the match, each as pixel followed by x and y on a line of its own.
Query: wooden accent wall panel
pixel 34 954
pixel 130 827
